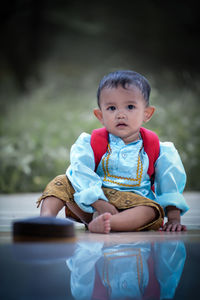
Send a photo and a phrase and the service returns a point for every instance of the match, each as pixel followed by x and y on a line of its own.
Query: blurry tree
pixel 52 55
pixel 162 34
pixel 21 32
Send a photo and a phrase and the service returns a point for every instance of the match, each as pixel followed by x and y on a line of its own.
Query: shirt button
pixel 124 155
pixel 124 284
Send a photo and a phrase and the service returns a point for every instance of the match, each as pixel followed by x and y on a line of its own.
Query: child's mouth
pixel 121 125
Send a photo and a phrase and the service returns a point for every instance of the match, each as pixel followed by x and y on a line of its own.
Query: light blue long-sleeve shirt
pixel 124 269
pixel 124 167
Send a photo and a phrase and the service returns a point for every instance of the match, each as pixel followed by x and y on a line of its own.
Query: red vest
pixel 99 144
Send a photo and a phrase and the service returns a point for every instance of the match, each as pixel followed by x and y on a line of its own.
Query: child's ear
pixel 149 111
pixel 98 114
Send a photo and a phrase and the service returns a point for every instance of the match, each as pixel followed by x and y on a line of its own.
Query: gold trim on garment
pixel 119 254
pixel 108 177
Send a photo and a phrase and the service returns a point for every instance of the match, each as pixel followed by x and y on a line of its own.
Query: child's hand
pixel 174 225
pixel 103 206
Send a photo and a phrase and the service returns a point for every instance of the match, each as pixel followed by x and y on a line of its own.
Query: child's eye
pixel 112 108
pixel 131 106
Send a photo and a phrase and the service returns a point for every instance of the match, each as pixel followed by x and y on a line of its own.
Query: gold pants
pixel 60 187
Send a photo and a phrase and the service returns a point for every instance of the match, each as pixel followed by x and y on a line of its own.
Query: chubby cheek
pixel 108 119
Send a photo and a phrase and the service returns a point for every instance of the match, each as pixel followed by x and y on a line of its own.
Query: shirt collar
pixel 113 139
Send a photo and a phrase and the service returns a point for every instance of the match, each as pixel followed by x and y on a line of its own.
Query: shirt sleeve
pixel 82 267
pixel 170 178
pixel 169 258
pixel 86 183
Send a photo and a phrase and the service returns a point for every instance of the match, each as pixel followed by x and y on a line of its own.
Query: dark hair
pixel 125 78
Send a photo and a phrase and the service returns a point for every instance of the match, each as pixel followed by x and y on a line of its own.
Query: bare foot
pixel 100 224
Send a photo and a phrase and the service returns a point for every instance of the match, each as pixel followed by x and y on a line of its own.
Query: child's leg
pixel 51 206
pixel 57 194
pixel 85 217
pixel 128 220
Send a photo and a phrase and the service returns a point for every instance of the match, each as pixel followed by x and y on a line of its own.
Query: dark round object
pixel 44 227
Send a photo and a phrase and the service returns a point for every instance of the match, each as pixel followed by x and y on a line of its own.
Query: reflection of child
pixel 120 188
pixel 126 271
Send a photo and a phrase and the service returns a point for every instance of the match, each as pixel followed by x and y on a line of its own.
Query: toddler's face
pixel 123 111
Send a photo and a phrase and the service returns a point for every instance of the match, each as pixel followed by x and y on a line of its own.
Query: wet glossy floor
pixel 147 265
pixel 115 266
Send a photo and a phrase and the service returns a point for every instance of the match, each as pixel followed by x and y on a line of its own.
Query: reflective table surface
pixel 152 265
pixel 145 265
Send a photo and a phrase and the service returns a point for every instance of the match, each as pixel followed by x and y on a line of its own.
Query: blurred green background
pixel 53 55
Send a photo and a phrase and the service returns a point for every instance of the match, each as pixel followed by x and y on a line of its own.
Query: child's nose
pixel 121 114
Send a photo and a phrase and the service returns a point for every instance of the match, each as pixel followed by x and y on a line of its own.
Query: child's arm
pixel 174 220
pixel 170 179
pixel 85 181
pixel 103 206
